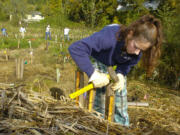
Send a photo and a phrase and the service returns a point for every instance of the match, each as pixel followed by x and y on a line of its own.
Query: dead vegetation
pixel 32 113
pixel 28 112
pixel 162 117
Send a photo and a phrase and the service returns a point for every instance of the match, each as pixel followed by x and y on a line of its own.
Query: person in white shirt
pixel 48 32
pixel 66 33
pixel 22 30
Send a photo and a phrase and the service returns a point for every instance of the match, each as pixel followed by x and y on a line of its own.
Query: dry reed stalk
pixel 31 113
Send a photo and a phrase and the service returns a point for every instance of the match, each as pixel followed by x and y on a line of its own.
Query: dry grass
pixel 162 117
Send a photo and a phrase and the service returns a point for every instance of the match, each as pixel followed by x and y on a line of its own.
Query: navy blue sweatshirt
pixel 104 47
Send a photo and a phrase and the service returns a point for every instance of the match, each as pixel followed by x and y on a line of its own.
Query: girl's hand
pixel 120 84
pixel 99 79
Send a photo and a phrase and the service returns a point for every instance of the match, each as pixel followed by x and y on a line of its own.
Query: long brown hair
pixel 149 28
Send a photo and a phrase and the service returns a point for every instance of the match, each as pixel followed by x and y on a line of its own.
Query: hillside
pixel 161 117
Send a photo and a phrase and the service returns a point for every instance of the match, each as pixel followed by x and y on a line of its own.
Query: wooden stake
pixel 6 54
pixel 91 99
pixel 16 36
pixel 64 59
pixel 110 96
pixel 21 68
pixel 31 56
pixel 111 109
pixel 16 61
pixel 79 83
pixel 29 44
pixel 56 39
pixel 58 74
pixel 47 45
pixel 60 46
pixel 18 43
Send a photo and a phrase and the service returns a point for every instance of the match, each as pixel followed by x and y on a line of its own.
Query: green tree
pixel 133 10
pixel 169 67
pixel 106 10
pixel 74 10
pixel 89 12
pixel 55 7
pixel 16 8
pixel 92 12
pixel 3 15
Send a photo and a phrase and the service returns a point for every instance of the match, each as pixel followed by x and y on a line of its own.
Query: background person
pixel 48 32
pixel 22 30
pixel 66 33
pixel 4 33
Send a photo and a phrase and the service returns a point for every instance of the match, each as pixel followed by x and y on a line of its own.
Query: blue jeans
pixel 66 37
pixel 121 106
pixel 48 34
pixel 4 33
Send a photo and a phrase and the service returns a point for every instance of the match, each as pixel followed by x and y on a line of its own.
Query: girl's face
pixel 135 45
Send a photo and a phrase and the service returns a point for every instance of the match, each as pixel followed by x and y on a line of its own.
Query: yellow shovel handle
pixel 82 90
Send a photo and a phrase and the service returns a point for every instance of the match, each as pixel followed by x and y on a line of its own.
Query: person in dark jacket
pixel 4 33
pixel 120 46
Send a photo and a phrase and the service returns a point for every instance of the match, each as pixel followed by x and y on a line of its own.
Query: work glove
pixel 99 79
pixel 119 85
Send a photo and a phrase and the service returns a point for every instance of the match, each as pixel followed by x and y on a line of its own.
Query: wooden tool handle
pixel 112 74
